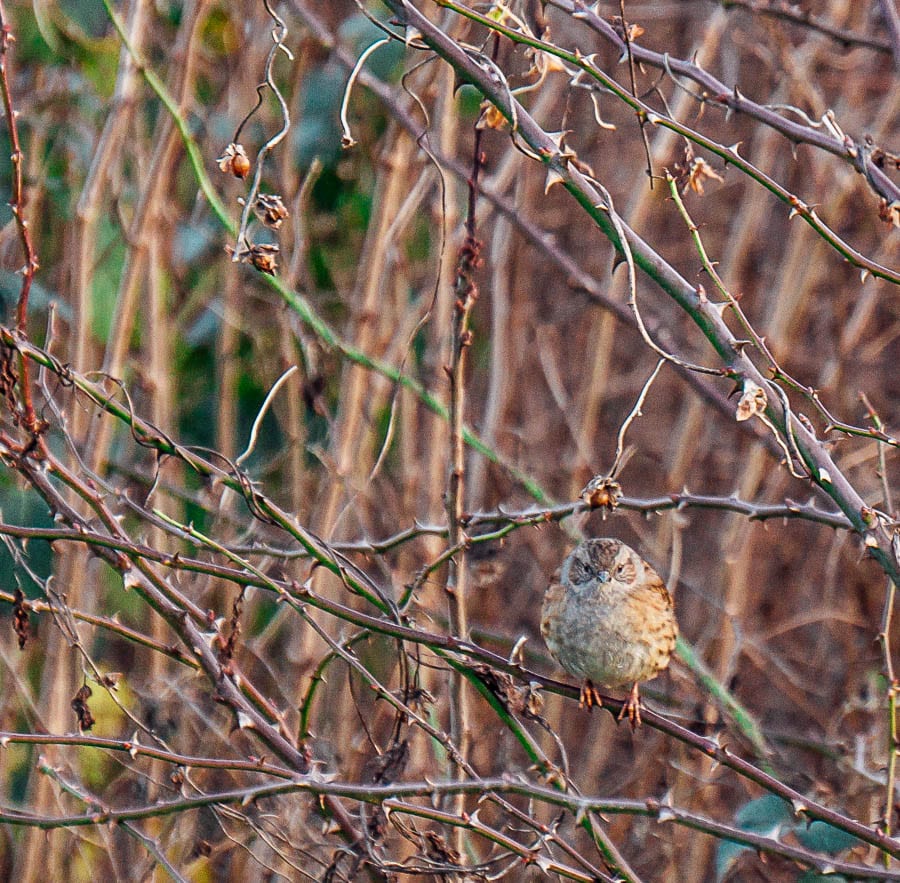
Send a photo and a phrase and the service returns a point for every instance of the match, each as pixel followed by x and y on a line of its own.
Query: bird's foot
pixel 589 696
pixel 632 708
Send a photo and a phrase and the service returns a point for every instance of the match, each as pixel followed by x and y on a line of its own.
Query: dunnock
pixel 608 618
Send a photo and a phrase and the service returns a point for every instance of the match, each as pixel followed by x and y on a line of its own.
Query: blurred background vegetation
pixel 137 293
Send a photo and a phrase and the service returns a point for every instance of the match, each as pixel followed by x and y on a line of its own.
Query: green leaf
pixel 107 274
pixel 42 19
pixel 822 837
pixel 772 817
pixel 767 815
pixel 38 301
pixel 359 32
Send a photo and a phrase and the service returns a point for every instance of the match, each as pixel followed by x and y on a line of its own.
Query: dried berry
pixel 80 707
pixel 20 618
pixel 235 161
pixel 263 257
pixel 602 492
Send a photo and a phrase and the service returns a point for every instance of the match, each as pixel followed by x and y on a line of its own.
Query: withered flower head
pixel 634 30
pixel 263 256
pixel 701 171
pixel 235 160
pixel 270 209
pixel 602 492
pixel 80 706
pixel 491 117
pixel 753 401
pixel 693 172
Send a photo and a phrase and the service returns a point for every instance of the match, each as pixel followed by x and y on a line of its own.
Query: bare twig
pixel 797 15
pixel 892 20
pixel 718 93
pixel 17 203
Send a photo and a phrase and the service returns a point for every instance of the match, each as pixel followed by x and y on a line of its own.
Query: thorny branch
pixel 17 203
pixel 276 555
pixel 586 68
pixel 279 35
pixel 823 471
pixel 163 597
pixel 799 16
pixel 465 295
pixel 715 91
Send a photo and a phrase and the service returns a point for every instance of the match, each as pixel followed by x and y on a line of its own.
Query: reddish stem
pixel 17 204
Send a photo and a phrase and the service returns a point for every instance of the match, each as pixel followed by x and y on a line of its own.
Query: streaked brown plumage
pixel 609 619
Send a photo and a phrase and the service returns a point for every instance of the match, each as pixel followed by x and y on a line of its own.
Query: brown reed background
pixel 138 303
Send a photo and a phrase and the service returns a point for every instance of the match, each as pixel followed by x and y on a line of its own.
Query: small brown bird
pixel 608 618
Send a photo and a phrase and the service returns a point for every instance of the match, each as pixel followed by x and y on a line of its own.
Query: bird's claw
pixel 632 708
pixel 589 697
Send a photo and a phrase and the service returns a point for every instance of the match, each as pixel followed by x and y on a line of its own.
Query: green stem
pixel 648 114
pixel 743 720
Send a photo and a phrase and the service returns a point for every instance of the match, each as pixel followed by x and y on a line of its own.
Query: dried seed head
pixel 753 401
pixel 634 30
pixel 693 172
pixel 700 171
pixel 235 161
pixel 263 257
pixel 602 492
pixel 491 117
pixel 270 209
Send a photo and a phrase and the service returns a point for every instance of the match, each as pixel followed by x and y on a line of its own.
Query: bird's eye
pixel 621 571
pixel 578 573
